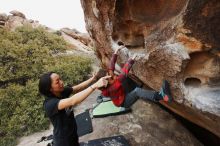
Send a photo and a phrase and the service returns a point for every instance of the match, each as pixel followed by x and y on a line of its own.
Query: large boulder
pixel 3 19
pixel 82 37
pixel 18 19
pixel 17 13
pixel 175 40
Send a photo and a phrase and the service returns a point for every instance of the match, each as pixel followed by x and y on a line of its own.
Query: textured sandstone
pixel 175 40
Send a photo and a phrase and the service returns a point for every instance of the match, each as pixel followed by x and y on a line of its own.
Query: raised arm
pixel 79 97
pixel 126 68
pixel 114 59
pixel 84 84
pixel 112 62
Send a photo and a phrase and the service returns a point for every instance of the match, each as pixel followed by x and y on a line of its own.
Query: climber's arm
pixel 126 68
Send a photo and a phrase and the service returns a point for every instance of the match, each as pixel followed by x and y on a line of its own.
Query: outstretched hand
pixel 102 82
pixel 94 76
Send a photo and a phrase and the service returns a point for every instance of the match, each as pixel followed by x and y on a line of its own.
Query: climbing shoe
pixel 165 92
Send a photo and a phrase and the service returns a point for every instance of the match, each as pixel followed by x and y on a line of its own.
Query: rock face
pixel 82 37
pixel 175 40
pixel 81 41
pixel 17 13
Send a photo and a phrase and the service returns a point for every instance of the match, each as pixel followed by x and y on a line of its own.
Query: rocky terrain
pixel 146 125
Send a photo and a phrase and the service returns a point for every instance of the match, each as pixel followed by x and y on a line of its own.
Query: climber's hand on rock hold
pixel 118 49
pixel 134 56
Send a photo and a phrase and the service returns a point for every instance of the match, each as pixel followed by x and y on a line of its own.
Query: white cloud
pixel 52 13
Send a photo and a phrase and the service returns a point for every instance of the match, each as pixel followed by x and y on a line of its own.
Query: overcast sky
pixel 52 13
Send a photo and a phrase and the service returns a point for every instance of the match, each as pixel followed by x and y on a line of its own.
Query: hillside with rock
pixel 80 41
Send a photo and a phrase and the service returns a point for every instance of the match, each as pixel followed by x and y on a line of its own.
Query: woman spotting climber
pixel 58 101
pixel 116 90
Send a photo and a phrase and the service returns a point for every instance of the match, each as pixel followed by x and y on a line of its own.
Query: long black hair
pixel 44 85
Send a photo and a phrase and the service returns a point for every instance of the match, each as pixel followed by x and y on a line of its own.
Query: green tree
pixel 25 53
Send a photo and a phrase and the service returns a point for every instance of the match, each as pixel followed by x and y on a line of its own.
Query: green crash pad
pixel 107 108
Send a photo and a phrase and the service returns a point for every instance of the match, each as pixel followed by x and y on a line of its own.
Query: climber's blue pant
pixel 139 93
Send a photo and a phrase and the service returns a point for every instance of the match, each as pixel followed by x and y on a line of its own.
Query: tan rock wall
pixel 175 40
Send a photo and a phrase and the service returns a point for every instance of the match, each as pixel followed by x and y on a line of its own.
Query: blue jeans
pixel 139 93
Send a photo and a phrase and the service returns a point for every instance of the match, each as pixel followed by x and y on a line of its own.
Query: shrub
pixel 21 111
pixel 73 69
pixel 25 53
